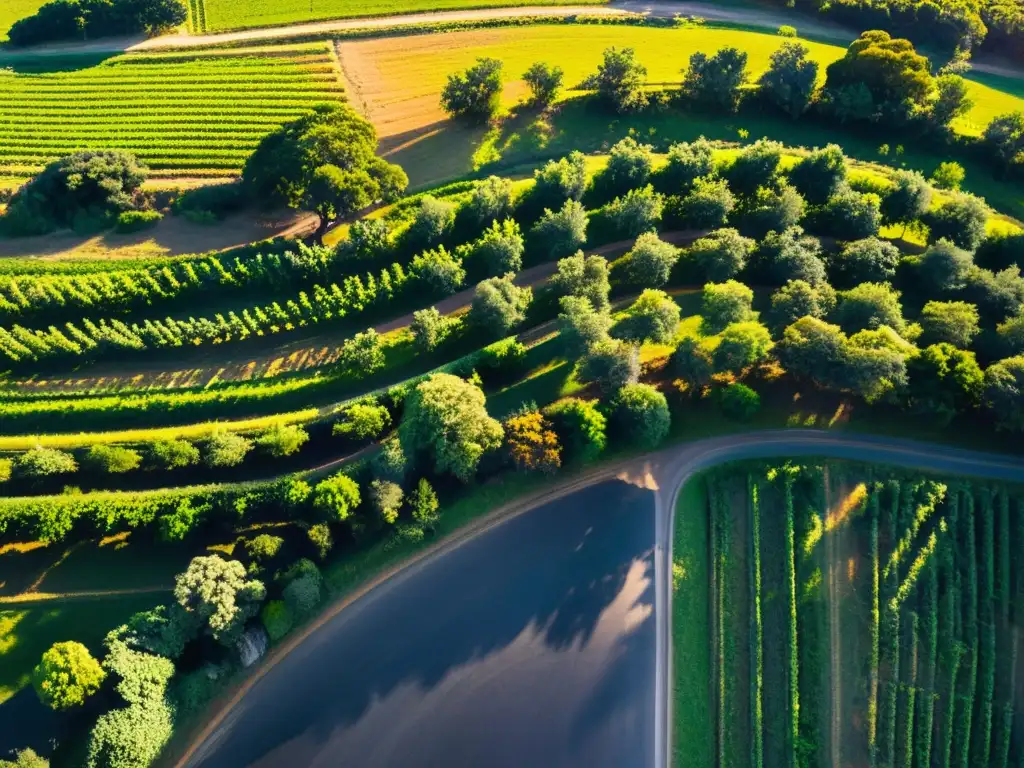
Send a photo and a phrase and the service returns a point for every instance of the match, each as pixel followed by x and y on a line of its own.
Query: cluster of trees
pixel 474 94
pixel 85 19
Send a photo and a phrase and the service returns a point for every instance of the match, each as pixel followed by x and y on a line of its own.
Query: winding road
pixel 539 636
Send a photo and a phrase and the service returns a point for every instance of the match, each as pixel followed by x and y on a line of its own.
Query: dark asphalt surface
pixel 532 644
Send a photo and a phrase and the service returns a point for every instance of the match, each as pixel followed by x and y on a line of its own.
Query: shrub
pixel 580 325
pixel 142 677
pixel 363 421
pixel 1004 382
pixel 820 175
pixel 112 459
pixel 498 251
pixel 620 79
pixel 789 255
pixel 907 200
pixel 320 537
pixel 217 199
pixel 639 210
pixel 722 254
pixel 771 210
pixel 181 520
pixel 869 306
pixel 1004 137
pixel 869 260
pixel 561 233
pixel 544 82
pixel 707 205
pixel 386 498
pixel 585 276
pixel 654 317
pixel 532 444
pixel 849 215
pixel 948 175
pixel 580 427
pixel 363 354
pixel 66 676
pixel 686 162
pixel 640 415
pixel 716 80
pixel 25 758
pixel 302 596
pixel 754 167
pixel 491 200
pixel 786 31
pixel 424 505
pixel 336 497
pixel 961 219
pixel 130 738
pixel 136 221
pixel 174 454
pixel 218 594
pixel 282 440
pixel 1011 334
pixel 791 78
pixel 227 449
pixel 276 618
pixel 432 223
pixel 439 271
pixel 740 346
pixel 475 93
pixel 263 548
pixel 499 305
pixel 952 322
pixel 798 298
pixel 724 304
pixel 368 240
pixel 162 631
pixel 44 462
pixel 502 362
pixel 944 266
pixel 194 690
pixel 558 181
pixel 739 402
pixel 391 462
pixel 6 469
pixel 691 361
pixel 649 262
pixel 611 364
pixel 629 167
pixel 430 328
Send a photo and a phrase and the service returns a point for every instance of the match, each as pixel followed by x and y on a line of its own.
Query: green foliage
pixel 559 181
pixel 446 417
pixel 952 101
pixel 654 317
pixel 1011 334
pixel 226 449
pixel 320 537
pixel 948 175
pixel 424 505
pixel 386 498
pixel 438 271
pixel 262 549
pixel 951 322
pixel 620 79
pixel 771 209
pixel 706 205
pixel 629 168
pixel 218 594
pixel 716 81
pixel 849 215
pixel 336 497
pixel 277 619
pixel 499 305
pixel 180 521
pixel 944 266
pixel 686 162
pixel 137 221
pixel 430 329
pixel 580 325
pixel 162 631
pixel 44 462
pixel 637 211
pixel 1004 137
pixel 113 459
pixel 908 199
pixel 740 346
pixel 544 82
pixel 820 175
pixel 563 232
pixel 282 440
pixel 789 255
pixel 869 260
pixel 76 19
pixel 756 166
pixel 585 276
pixel 611 365
pixel 498 251
pixel 431 224
pixel 363 421
pixel 798 298
pixel 791 78
pixel 66 676
pixel 6 469
pixel 649 262
pixel 640 415
pixel 722 254
pixel 142 677
pixel 391 462
pixel 474 94
pixel 870 305
pixel 130 738
pixel 739 402
pixel 961 219
pixel 1003 395
pixel 302 595
pixel 25 758
pixel 692 362
pixel 944 381
pixel 580 426
pixel 174 454
pixel 725 303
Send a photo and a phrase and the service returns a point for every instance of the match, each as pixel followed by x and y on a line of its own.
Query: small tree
pixel 336 498
pixel 951 322
pixel 820 175
pixel 174 454
pixel 960 219
pixel 492 201
pixel 640 415
pixel 218 594
pixel 439 271
pixel 544 81
pixel 363 354
pixel 798 298
pixel 580 426
pixel 66 676
pixel 320 537
pixel 432 223
pixel 611 364
pixel 906 202
pixel 650 261
pixel 532 444
pixel 653 317
pixel 499 305
pixel 25 758
pixel 363 421
pixel 558 181
pixel 227 449
pixel 686 162
pixel 739 402
pixel 498 251
pixel 585 276
pixel 706 206
pixel 740 346
pixel 580 325
pixel 130 737
pixel 474 94
pixel 113 459
pixel 44 462
pixel 770 210
pixel 563 232
pixel 789 255
pixel 724 304
pixel 429 329
pixel 391 463
pixel 754 167
pixel 1011 334
pixel 944 267
pixel 869 260
pixel 722 254
pixel 952 101
pixel 1004 383
pixel 1004 137
pixel 277 619
pixel 791 79
pixel 717 80
pixel 691 361
pixel 303 594
pixel 424 505
pixel 282 440
pixel 850 215
pixel 636 212
pixel 386 498
pixel 949 175
pixel 629 167
pixel 869 306
pixel 620 80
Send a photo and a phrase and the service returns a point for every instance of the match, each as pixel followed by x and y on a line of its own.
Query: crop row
pixel 756 631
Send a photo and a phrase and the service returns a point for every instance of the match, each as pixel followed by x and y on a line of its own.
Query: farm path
pixel 31 598
pixel 759 17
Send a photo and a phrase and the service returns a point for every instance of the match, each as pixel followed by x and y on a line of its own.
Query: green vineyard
pixel 865 617
pixel 196 114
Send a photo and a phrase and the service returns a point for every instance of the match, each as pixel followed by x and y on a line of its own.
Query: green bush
pixel 282 440
pixel 739 402
pixel 131 737
pixel 136 221
pixel 580 426
pixel 25 758
pixel 44 462
pixel 6 469
pixel 112 459
pixel 174 454
pixel 336 498
pixel 363 421
pixel 276 617
pixel 193 691
pixel 263 548
pixel 424 505
pixel 640 415
pixel 302 595
pixel 66 676
pixel 320 537
pixel 227 449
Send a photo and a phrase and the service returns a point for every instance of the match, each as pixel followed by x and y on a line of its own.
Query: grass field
pixel 221 15
pixel 197 114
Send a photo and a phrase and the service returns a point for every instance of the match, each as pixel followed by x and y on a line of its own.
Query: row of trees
pixel 85 19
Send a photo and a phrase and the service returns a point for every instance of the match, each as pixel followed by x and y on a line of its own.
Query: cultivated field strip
pixel 196 114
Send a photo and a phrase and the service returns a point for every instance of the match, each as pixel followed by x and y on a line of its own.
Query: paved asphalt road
pixel 542 641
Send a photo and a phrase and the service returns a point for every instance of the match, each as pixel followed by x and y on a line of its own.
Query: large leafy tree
pixel 649 262
pixel 654 317
pixel 943 381
pixel 324 161
pixel 640 415
pixel 474 94
pixel 797 299
pixel 446 419
pixel 791 79
pixel 722 254
pixel 820 175
pixel 585 276
pixel 907 200
pixel 581 325
pixel 499 305
pixel 611 364
pixel 950 322
pixel 66 676
pixel 716 80
pixel 1004 136
pixel 220 596
pixel 620 80
pixel 724 304
pixel 1004 393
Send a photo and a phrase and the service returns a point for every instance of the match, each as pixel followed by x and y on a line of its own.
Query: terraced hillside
pixel 195 114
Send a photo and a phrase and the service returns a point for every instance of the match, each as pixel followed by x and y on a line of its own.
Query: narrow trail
pixel 31 598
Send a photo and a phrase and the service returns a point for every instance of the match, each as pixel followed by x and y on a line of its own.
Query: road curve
pixel 563 660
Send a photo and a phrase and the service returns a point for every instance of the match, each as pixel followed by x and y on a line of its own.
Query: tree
pixel 798 298
pixel 580 325
pixel 874 364
pixel 894 77
pixel 949 176
pixel 850 215
pixel 499 305
pixel 432 223
pixel 580 426
pixel 391 462
pixel 131 737
pixel 544 81
pixel 907 200
pixel 386 498
pixel 475 93
pixel 563 232
pixel 725 303
pixel 686 162
pixel 66 676
pixel 636 212
pixel 85 188
pixel 640 415
pixel 492 200
pixel 429 328
pixel 740 346
pixel 363 421
pixel 585 276
pixel 113 459
pixel 950 322
pixel 738 401
pixel 620 80
pixel 219 595
pixel 943 381
pixel 791 79
pixel 286 167
pixel 363 354
pixel 226 449
pixel 754 167
pixel 498 251
pixel 558 181
pixel 649 262
pixel 162 631
pixel 142 677
pixel 1004 138
pixel 282 440
pixel 820 175
pixel 1003 395
pixel 1011 334
pixel 653 317
pixel 629 167
pixel 706 206
pixel 952 101
pixel 998 295
pixel 611 364
pixel 722 254
pixel 174 454
pixel 78 19
pixel 335 498
pixel 869 305
pixel 44 462
pixel 944 266
pixel 717 80
pixel 25 758
pixel 368 240
pixel 789 255
pixel 868 260
pixel 439 271
pixel 424 505
pixel 446 417
pixel 532 443
pixel 813 349
pixel 961 219
pixel 692 362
